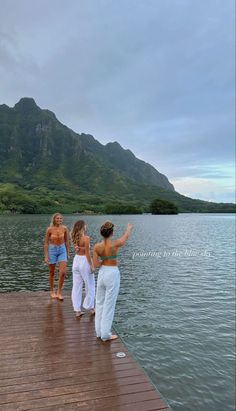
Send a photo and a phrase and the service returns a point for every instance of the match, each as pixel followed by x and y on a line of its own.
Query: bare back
pixel 107 251
pixel 82 245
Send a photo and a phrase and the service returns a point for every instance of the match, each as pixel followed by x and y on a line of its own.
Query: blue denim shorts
pixel 56 253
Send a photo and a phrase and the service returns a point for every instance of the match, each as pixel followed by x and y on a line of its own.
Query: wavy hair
pixel 76 232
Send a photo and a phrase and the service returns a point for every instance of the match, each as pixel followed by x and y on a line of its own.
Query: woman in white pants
pixel 82 270
pixel 108 282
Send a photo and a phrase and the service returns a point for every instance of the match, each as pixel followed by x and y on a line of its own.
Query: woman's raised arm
pixel 121 241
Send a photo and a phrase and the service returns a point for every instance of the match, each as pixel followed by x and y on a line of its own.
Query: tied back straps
pixel 113 256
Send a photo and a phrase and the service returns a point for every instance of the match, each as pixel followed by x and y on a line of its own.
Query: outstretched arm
pixel 121 241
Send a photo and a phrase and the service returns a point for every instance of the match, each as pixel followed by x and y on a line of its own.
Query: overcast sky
pixel 155 75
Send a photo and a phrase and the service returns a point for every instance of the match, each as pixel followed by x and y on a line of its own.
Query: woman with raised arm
pixel 56 250
pixel 82 270
pixel 108 283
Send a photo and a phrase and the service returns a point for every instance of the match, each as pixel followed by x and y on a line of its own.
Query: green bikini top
pixel 113 256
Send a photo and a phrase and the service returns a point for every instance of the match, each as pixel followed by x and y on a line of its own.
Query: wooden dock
pixel 51 361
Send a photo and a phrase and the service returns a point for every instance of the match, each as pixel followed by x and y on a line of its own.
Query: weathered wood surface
pixel 50 361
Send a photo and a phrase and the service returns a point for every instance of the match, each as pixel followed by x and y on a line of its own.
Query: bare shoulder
pixel 97 246
pixel 65 228
pixel 117 242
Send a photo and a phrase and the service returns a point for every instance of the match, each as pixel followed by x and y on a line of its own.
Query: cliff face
pixel 46 167
pixel 36 149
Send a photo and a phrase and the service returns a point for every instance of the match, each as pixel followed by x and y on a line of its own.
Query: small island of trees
pixel 163 207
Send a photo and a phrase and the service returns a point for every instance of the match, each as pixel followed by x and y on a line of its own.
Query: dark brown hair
pixel 107 229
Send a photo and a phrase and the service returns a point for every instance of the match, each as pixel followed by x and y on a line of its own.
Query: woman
pixel 108 283
pixel 82 270
pixel 56 250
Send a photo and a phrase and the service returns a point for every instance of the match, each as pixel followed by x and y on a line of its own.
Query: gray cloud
pixel 157 76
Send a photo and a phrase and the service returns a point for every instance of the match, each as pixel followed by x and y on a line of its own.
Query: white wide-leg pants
pixel 108 285
pixel 82 273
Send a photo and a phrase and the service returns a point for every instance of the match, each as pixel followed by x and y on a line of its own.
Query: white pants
pixel 82 273
pixel 108 285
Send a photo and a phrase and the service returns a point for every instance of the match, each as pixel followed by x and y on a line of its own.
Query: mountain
pixel 36 147
pixel 50 167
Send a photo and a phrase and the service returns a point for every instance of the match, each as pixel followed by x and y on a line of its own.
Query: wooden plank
pixel 100 405
pixel 70 372
pixel 64 380
pixel 50 361
pixel 113 395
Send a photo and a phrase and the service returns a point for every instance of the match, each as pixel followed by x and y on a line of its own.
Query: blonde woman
pixel 82 270
pixel 108 283
pixel 56 250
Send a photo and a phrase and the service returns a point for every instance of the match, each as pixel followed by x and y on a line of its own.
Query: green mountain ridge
pixel 44 161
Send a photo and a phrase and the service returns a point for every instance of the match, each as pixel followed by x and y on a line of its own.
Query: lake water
pixel 175 310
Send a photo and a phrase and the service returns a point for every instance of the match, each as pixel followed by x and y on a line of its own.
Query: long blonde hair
pixel 77 231
pixel 52 223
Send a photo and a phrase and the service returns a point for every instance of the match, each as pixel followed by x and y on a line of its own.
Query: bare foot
pixel 112 337
pixel 59 297
pixel 53 294
pixel 79 313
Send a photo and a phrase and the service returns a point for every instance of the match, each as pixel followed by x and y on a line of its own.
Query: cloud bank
pixel 157 76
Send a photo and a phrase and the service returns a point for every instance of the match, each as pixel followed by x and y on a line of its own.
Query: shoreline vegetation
pixel 47 167
pixel 41 200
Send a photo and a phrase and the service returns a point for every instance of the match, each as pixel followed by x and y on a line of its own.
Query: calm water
pixel 176 305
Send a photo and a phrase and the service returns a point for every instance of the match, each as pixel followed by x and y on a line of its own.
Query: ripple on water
pixel 175 313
